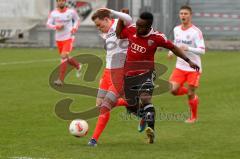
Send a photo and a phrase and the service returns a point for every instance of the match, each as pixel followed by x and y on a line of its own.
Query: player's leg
pixel 117 85
pixel 193 100
pixel 103 118
pixel 63 65
pixel 67 49
pixel 138 91
pixel 102 121
pixel 177 80
pixel 121 102
pixel 113 79
pixel 148 109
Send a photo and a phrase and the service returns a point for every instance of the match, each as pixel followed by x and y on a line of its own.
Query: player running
pixel 190 39
pixel 65 22
pixel 111 83
pixel 143 43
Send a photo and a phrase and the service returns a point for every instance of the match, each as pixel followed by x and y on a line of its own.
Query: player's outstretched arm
pixel 121 24
pixel 178 52
pixel 119 28
pixel 121 15
pixel 124 19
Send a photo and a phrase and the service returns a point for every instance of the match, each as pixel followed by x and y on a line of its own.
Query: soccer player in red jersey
pixel 65 22
pixel 190 39
pixel 111 82
pixel 143 43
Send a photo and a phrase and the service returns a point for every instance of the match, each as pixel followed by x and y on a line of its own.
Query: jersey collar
pixel 186 28
pixel 113 20
pixel 62 11
pixel 151 31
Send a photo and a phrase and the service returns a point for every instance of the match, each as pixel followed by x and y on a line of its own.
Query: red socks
pixel 104 118
pixel 63 68
pixel 193 104
pixel 102 122
pixel 74 63
pixel 182 91
pixel 121 102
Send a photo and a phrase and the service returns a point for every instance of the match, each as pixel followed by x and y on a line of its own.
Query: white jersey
pixel 116 48
pixel 193 38
pixel 68 18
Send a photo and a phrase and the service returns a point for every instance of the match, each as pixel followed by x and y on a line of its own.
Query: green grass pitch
pixel 29 128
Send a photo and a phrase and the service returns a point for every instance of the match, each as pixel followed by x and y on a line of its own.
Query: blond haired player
pixel 190 39
pixel 111 82
pixel 65 22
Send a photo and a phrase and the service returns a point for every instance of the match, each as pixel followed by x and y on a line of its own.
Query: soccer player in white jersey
pixel 65 22
pixel 190 39
pixel 111 82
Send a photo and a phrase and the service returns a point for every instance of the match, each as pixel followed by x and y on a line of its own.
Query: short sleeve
pixel 162 41
pixel 127 30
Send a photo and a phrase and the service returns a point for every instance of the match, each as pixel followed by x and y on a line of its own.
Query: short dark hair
pixel 187 8
pixel 101 14
pixel 148 17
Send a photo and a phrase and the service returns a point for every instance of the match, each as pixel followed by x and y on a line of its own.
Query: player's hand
pixel 194 66
pixel 170 55
pixel 184 48
pixel 59 27
pixel 125 10
pixel 73 31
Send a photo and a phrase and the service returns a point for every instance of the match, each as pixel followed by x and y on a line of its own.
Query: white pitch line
pixel 27 62
pixel 25 158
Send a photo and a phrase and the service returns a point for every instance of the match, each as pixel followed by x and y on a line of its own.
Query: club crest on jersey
pixel 150 42
pixel 188 37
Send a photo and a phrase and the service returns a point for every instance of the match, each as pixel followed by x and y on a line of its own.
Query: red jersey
pixel 142 49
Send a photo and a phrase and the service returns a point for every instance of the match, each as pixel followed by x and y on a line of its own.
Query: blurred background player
pixel 190 39
pixel 111 83
pixel 66 22
pixel 143 43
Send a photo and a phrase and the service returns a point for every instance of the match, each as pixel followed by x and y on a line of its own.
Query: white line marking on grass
pixel 27 62
pixel 25 158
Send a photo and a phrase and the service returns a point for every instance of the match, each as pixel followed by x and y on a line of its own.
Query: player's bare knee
pixel 174 88
pixel 174 92
pixel 99 102
pixel 145 98
pixel 64 56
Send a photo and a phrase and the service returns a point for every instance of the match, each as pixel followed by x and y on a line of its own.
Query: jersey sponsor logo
pixel 187 42
pixel 111 35
pixel 137 48
pixel 61 20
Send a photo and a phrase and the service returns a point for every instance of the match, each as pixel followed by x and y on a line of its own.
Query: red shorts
pixel 180 76
pixel 65 46
pixel 112 81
